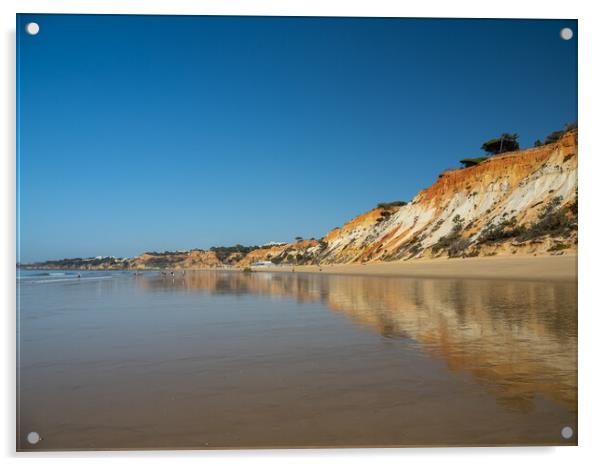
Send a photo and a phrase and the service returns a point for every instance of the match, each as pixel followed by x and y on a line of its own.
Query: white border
pixel 590 173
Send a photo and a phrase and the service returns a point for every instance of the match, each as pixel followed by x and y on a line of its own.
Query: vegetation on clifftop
pixel 505 143
pixel 554 136
pixel 390 205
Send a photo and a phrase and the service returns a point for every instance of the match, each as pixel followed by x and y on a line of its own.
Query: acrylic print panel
pixel 296 232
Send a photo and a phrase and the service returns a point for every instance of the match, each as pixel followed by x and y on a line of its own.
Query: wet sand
pixel 557 268
pixel 223 359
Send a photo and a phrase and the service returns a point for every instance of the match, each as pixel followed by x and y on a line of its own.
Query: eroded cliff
pixel 522 202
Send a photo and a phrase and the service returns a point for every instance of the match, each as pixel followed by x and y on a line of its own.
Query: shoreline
pixel 533 268
pixel 554 268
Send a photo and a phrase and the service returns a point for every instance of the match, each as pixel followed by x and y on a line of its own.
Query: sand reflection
pixel 517 338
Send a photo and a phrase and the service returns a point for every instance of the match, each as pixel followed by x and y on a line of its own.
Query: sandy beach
pixel 557 268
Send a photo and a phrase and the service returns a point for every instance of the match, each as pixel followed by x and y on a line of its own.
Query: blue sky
pixel 142 133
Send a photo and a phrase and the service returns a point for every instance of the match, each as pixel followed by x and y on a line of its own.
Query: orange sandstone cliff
pixel 522 203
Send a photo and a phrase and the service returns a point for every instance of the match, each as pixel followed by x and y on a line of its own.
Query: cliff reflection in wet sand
pixel 217 359
pixel 518 338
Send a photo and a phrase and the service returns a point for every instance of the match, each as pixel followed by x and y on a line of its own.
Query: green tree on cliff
pixel 505 143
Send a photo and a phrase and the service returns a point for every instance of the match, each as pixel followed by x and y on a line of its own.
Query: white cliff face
pixel 512 187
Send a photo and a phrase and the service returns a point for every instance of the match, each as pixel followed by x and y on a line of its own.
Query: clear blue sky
pixel 145 133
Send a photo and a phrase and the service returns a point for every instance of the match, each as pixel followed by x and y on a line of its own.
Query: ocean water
pixel 109 360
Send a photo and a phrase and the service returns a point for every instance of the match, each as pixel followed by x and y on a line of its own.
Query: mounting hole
pixel 33 438
pixel 32 28
pixel 566 432
pixel 566 33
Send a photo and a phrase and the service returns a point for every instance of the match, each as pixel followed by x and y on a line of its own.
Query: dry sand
pixel 557 268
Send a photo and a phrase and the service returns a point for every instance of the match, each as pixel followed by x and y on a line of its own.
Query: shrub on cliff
pixel 550 207
pixel 165 253
pixel 457 248
pixel 389 205
pixel 554 136
pixel 445 242
pixel 554 223
pixel 552 220
pixel 384 215
pixel 505 143
pixel 222 252
pixel 415 249
pixel 504 230
pixel 471 162
pixel 159 263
